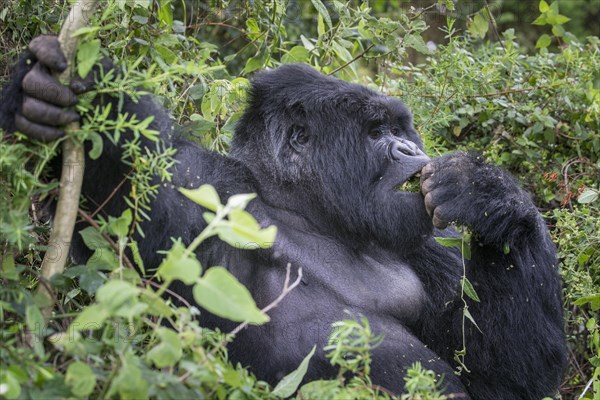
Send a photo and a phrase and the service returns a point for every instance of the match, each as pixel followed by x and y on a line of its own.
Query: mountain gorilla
pixel 329 161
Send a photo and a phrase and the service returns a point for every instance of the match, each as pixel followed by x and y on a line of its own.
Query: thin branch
pixel 168 291
pixel 369 47
pixel 112 194
pixel 287 288
pixel 71 177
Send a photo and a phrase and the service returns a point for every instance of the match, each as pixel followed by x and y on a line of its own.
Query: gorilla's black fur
pixel 326 158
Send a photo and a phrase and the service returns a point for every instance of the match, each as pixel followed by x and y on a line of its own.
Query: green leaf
pixel 289 384
pixel 205 195
pixel 8 268
pixel 87 55
pixel 322 10
pixel 479 26
pixel 460 243
pixel 80 379
pixel 97 145
pixel 91 318
pixel 93 239
pixel 165 13
pixel 557 19
pixel 593 300
pixel 222 294
pixel 320 26
pixel 166 54
pixel 558 30
pixel 168 351
pixel 543 41
pixel 588 196
pixel 297 54
pixel 34 319
pixel 9 385
pixel 242 231
pixel 120 226
pixel 416 42
pixel 129 382
pixel 178 266
pixel 470 318
pixel 541 20
pixel 544 6
pixel 113 294
pixel 469 289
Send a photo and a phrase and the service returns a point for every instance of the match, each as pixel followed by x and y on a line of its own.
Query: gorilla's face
pixel 347 151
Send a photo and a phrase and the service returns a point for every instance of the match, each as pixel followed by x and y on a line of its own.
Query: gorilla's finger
pixel 36 131
pixel 428 185
pixel 438 219
pixel 47 114
pixel 47 50
pixel 39 84
pixel 426 172
pixel 82 85
pixel 429 203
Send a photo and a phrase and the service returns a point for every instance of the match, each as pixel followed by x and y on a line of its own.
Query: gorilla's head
pixel 340 149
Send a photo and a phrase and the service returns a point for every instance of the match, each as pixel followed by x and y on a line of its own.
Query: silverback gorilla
pixel 327 159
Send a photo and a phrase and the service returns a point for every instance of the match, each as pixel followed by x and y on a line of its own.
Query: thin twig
pixel 112 194
pixel 181 299
pixel 369 47
pixel 287 288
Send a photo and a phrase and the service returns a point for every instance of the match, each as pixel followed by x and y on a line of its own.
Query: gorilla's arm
pixel 33 102
pixel 517 349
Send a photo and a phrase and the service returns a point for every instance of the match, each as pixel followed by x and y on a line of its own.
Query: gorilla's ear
pixel 299 137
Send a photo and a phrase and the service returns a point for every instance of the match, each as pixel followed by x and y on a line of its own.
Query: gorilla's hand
pixel 462 188
pixel 45 99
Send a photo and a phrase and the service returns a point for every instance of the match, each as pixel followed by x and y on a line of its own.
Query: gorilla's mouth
pixel 412 184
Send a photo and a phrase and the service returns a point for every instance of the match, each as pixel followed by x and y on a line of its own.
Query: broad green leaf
pixel 557 19
pixel 240 200
pixel 222 294
pixel 544 6
pixel 113 294
pixel 558 30
pixel 479 26
pixel 80 379
pixel 129 382
pixel 320 26
pixel 8 268
pixel 9 385
pixel 297 54
pixel 87 55
pixel 416 42
pixel 165 13
pixel 289 384
pixel 322 10
pixel 205 195
pixel 179 266
pixel 469 289
pixel 543 41
pixel 541 20
pixel 103 259
pixel 168 351
pixel 156 304
pixel 91 318
pixel 166 54
pixel 243 232
pixel 593 300
pixel 93 239
pixel 588 196
pixel 120 226
pixel 34 319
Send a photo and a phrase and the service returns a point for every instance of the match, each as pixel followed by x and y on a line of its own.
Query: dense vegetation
pixel 527 96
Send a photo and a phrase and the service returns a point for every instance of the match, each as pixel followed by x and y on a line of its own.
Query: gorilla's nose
pixel 400 148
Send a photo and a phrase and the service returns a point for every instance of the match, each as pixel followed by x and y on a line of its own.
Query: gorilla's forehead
pixel 301 85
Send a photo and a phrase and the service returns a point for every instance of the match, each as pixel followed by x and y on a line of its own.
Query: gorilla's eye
pixel 375 133
pixel 395 131
pixel 299 137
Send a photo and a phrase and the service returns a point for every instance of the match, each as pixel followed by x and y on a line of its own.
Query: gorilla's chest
pixel 372 282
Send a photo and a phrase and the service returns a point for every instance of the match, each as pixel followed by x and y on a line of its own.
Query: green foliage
pixel 536 113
